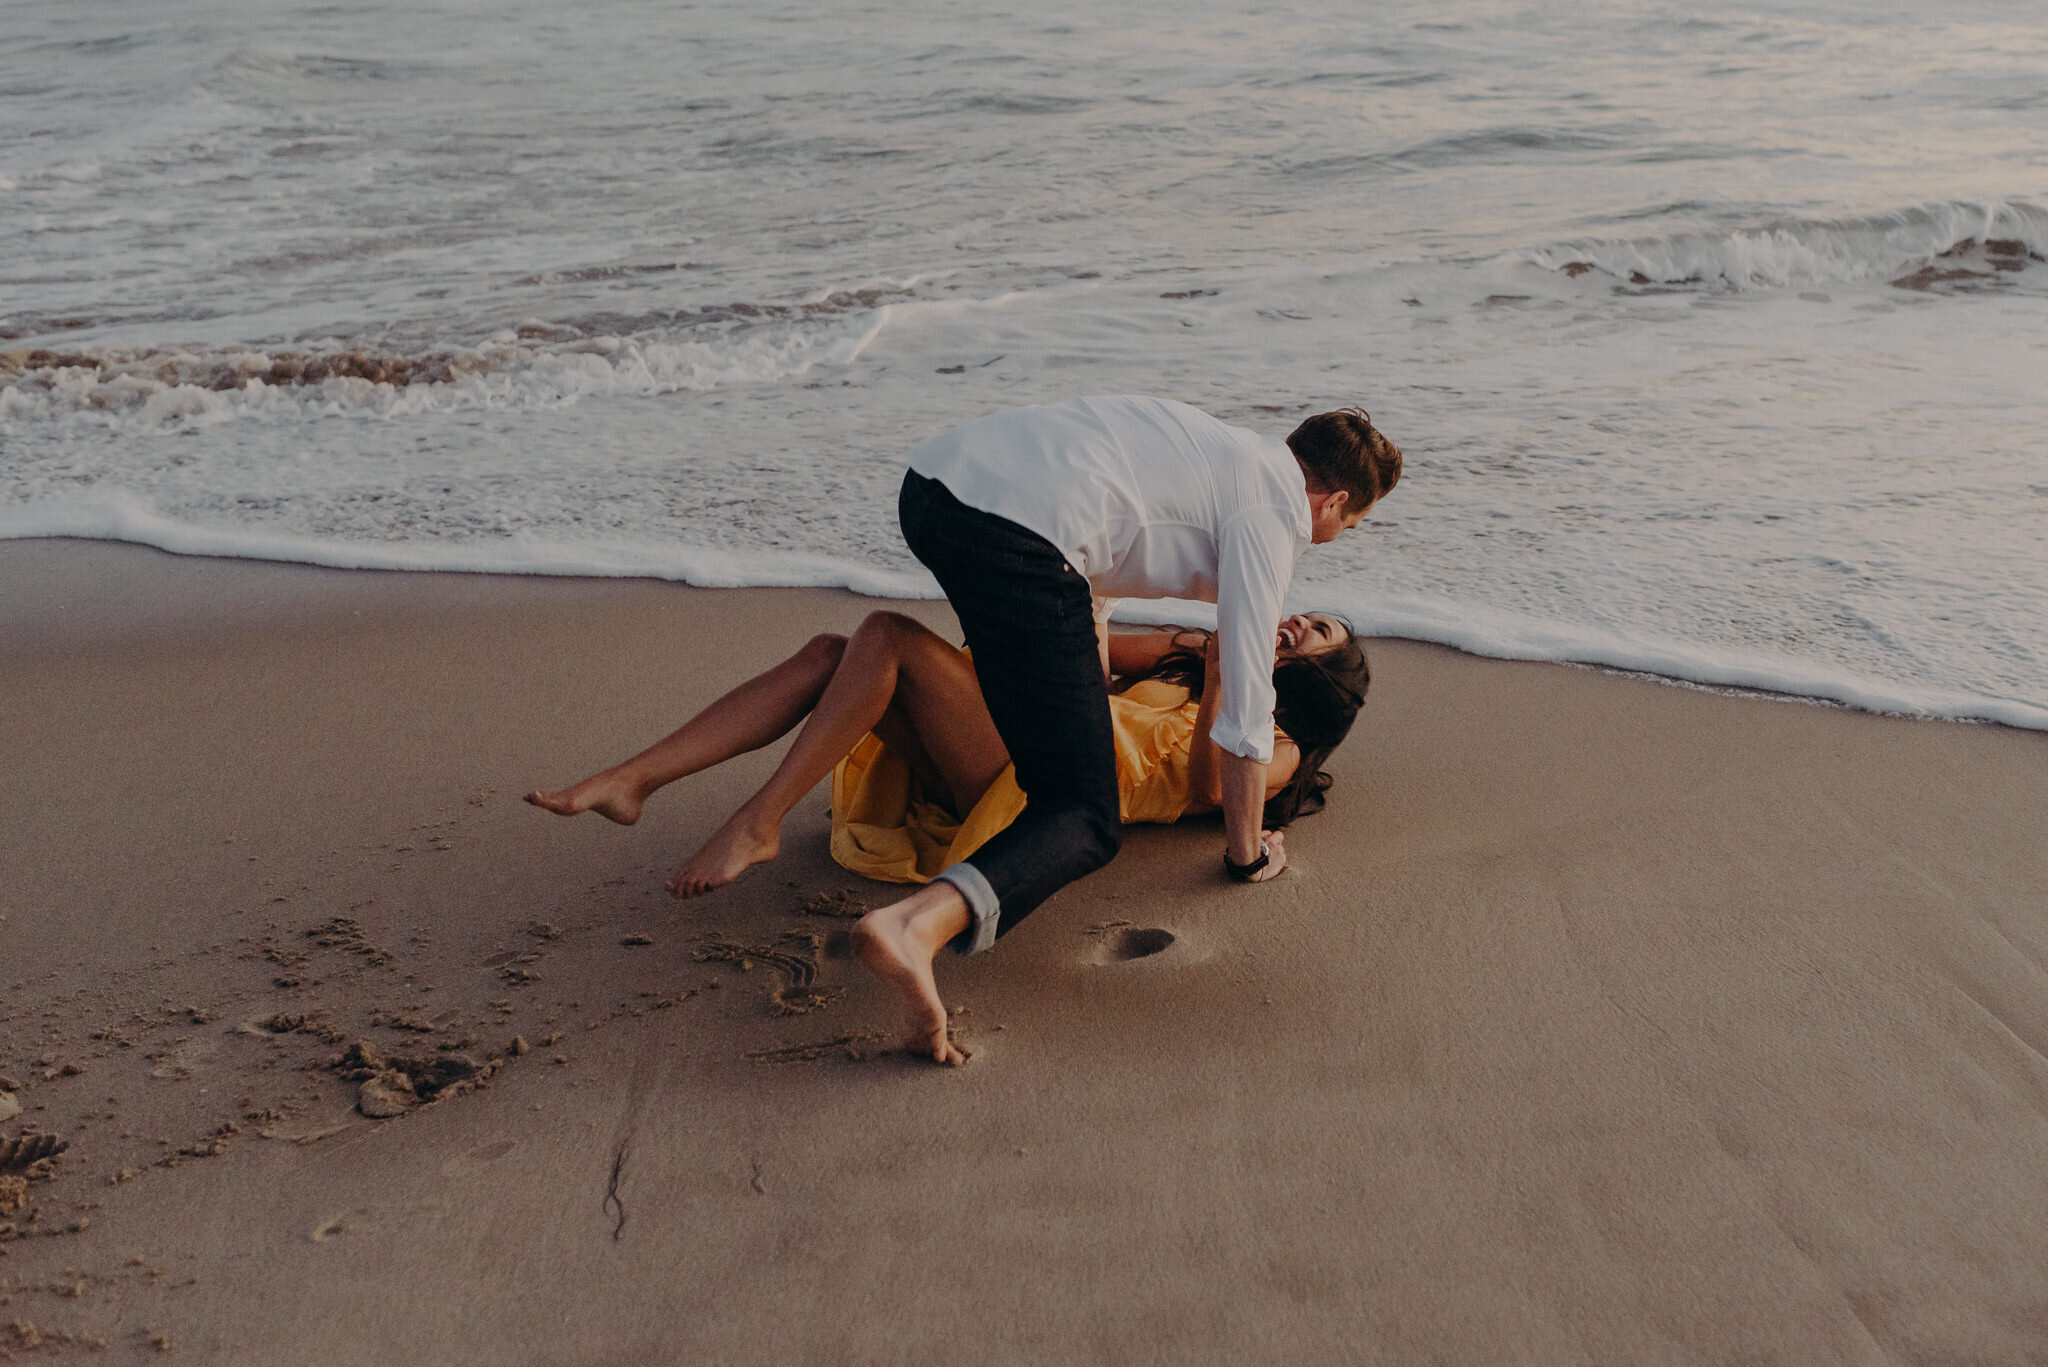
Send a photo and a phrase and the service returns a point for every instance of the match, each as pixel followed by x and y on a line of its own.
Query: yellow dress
pixel 884 826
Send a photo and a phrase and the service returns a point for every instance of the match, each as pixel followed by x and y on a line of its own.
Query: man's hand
pixel 1276 856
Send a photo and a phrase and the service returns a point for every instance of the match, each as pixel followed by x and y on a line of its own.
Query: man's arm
pixel 1244 805
pixel 1240 784
pixel 1255 559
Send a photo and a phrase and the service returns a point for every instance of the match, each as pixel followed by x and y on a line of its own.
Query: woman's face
pixel 1311 633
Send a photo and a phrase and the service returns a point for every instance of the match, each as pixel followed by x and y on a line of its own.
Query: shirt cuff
pixel 1236 740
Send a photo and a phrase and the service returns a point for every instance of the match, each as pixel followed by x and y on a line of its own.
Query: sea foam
pixel 1463 626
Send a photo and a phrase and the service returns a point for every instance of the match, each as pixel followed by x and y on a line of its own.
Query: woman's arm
pixel 1137 651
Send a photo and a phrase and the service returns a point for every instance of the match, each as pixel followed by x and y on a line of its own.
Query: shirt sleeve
pixel 1254 564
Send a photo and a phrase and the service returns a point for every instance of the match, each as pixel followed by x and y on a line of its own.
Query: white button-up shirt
pixel 1148 498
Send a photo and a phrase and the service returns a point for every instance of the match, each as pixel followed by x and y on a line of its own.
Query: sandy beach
pixel 1597 1020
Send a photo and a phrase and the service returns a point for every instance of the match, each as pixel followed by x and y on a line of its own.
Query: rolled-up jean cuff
pixel 982 905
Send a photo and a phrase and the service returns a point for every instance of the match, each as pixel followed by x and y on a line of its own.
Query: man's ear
pixel 1332 501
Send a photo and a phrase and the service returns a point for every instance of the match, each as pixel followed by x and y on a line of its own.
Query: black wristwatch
pixel 1245 873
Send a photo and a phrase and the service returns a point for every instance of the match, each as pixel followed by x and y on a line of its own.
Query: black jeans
pixel 1029 620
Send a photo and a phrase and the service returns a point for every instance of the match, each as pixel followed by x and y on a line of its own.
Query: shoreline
pixel 1592 1021
pixel 125 522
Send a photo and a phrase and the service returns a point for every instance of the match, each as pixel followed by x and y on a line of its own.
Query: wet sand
pixel 1598 1020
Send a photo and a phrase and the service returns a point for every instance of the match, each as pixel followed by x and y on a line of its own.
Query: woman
pixel 920 777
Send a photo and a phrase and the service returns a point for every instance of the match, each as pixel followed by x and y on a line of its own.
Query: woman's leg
pixel 763 709
pixel 894 673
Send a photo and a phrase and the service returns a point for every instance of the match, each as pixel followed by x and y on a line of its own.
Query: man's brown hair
pixel 1343 450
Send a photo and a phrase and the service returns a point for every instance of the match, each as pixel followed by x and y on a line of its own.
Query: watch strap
pixel 1245 873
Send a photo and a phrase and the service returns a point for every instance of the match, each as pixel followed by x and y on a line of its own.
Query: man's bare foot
pixel 733 849
pixel 898 944
pixel 610 794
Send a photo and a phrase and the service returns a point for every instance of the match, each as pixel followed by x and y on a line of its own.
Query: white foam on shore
pixel 1464 627
pixel 122 518
pixel 1502 637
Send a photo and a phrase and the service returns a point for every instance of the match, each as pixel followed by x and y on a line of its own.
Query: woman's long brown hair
pixel 1316 698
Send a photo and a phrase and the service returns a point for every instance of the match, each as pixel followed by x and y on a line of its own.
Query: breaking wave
pixel 537 364
pixel 1950 248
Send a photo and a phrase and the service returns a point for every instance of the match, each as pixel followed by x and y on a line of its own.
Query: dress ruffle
pixel 884 826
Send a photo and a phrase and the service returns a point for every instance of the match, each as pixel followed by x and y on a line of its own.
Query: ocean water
pixel 1717 342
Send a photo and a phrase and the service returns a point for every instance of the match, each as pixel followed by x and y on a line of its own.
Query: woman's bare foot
pixel 898 944
pixel 733 849
pixel 610 794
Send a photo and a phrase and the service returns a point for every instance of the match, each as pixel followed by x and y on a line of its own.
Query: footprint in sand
pixel 474 1160
pixel 1118 944
pixel 1139 942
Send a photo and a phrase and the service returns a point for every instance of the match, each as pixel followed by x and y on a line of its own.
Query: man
pixel 1030 519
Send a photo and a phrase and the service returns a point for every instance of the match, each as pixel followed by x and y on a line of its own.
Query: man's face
pixel 1332 514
